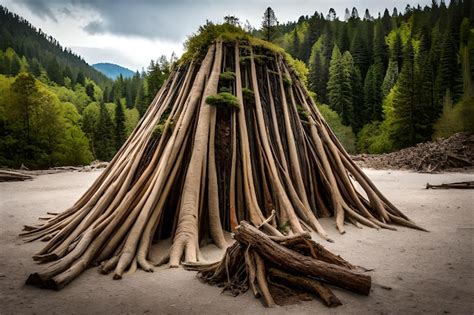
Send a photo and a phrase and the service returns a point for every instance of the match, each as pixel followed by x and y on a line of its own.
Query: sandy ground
pixel 427 272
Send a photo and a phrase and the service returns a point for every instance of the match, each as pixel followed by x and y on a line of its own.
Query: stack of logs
pixel 281 270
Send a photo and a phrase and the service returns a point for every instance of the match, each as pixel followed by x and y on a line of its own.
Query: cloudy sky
pixel 131 33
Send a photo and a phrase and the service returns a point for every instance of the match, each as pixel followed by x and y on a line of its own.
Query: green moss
pixel 197 44
pixel 160 126
pixel 223 99
pixel 249 95
pixel 258 59
pixel 302 113
pixel 227 76
pixel 224 89
pixel 287 80
pixel 158 131
pixel 284 227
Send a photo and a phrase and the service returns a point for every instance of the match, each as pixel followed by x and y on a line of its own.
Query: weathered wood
pixel 294 262
pixel 306 284
pixel 457 185
pixel 12 176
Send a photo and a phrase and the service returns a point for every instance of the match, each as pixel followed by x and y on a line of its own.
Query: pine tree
pixel 54 73
pixel 68 73
pixel 357 100
pixel 344 42
pixel 380 56
pixel 140 101
pixel 269 24
pixel 104 135
pixel 405 103
pixel 90 91
pixel 120 134
pixel 359 52
pixel 448 72
pixel 397 53
pixel 339 84
pixel 390 78
pixel 427 113
pixel 15 66
pixel 369 95
pixel 296 44
pixel 80 79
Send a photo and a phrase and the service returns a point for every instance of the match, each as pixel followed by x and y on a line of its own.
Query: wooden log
pixel 11 176
pixel 306 284
pixel 457 185
pixel 296 263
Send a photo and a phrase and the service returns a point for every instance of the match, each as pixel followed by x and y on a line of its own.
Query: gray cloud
pixel 40 8
pixel 94 27
pixel 173 20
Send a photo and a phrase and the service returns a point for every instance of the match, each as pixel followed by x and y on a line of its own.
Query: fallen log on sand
pixel 457 185
pixel 12 176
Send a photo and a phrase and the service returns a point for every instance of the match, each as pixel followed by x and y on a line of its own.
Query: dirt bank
pixel 427 272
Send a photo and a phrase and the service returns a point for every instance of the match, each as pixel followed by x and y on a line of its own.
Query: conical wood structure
pixel 229 137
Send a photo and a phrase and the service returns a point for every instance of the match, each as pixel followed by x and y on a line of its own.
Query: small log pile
pixel 456 151
pixel 281 269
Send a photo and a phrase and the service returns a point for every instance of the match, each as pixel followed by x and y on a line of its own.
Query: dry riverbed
pixel 414 272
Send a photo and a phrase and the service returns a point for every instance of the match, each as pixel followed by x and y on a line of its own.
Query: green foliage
pixel 132 116
pixel 455 118
pixel 196 45
pixel 442 64
pixel 104 135
pixel 160 126
pixel 157 73
pixel 339 85
pixel 37 129
pixel 120 131
pixel 259 59
pixel 287 80
pixel 300 68
pixel 36 52
pixel 248 95
pixel 227 76
pixel 269 24
pixel 374 137
pixel 284 227
pixel 390 78
pixel 343 133
pixel 223 99
pixel 302 113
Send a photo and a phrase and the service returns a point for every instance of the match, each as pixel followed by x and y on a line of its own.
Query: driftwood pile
pixel 13 176
pixel 456 151
pixel 282 270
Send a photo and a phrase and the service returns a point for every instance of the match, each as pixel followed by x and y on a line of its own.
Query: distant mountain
pixel 42 51
pixel 112 70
